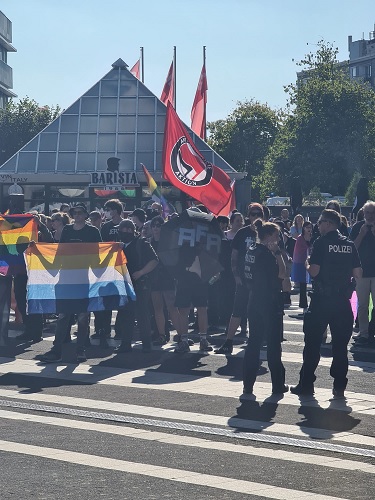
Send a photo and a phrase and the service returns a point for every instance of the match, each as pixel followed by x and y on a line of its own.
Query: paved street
pixel 165 425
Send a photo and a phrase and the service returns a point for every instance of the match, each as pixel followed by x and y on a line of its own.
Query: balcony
pixel 5 28
pixel 6 75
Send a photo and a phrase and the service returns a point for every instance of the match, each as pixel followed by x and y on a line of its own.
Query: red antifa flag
pixel 187 169
pixel 168 90
pixel 198 111
pixel 136 69
pixel 231 205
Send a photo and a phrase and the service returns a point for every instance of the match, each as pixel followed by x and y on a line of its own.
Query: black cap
pixel 82 206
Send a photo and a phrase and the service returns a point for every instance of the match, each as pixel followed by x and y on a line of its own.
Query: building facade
pixel 95 148
pixel 6 72
pixel 362 59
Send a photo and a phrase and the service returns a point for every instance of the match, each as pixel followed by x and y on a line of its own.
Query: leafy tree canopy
pixel 20 122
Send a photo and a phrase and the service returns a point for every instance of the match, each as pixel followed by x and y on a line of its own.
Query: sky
pixel 64 47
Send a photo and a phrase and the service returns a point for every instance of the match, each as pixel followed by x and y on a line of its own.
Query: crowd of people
pixel 264 261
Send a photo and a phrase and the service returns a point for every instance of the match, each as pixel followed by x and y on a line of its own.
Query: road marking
pixel 190 441
pixel 233 422
pixel 176 475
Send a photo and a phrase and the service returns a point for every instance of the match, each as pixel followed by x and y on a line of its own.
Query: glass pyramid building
pixel 117 117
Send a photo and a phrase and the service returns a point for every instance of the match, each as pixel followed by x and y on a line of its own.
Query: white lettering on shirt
pixel 340 248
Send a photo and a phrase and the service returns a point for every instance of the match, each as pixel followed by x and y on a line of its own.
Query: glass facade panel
pixel 26 162
pixel 107 142
pixel 87 142
pixel 94 91
pixel 109 88
pixel 66 162
pixel 68 142
pixel 160 123
pixel 146 123
pixel 127 106
pixel 161 108
pixel 108 105
pixel 146 158
pixel 86 162
pixel 89 105
pixel 145 142
pixel 73 109
pixel 126 124
pixel 69 123
pixel 54 126
pixel 128 88
pixel 159 160
pixel 46 162
pixel 146 105
pixel 112 75
pixel 107 124
pixel 10 165
pixel 48 142
pixel 159 142
pixel 32 146
pixel 125 142
pixel 88 124
pixel 144 92
pixel 126 75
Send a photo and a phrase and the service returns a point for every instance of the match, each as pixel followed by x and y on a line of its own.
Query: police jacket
pixel 337 256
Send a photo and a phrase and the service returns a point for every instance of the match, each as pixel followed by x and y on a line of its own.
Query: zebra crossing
pixel 163 425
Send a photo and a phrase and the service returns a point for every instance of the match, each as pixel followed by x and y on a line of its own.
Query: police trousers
pixel 336 312
pixel 265 324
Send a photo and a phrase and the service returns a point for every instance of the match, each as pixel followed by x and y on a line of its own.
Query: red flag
pixel 136 69
pixel 168 90
pixel 231 205
pixel 187 169
pixel 198 111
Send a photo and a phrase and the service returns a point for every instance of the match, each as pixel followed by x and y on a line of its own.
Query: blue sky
pixel 64 47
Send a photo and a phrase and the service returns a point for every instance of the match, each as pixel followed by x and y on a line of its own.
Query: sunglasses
pixel 255 214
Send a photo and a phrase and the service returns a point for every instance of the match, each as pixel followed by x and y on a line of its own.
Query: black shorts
pixel 190 291
pixel 241 299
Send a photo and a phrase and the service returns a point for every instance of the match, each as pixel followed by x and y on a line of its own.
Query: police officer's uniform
pixel 330 305
pixel 265 312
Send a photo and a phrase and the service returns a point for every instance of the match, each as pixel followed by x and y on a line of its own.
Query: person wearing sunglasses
pixel 334 261
pixel 242 241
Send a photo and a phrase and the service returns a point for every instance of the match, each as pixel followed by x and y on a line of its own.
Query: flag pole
pixel 174 76
pixel 142 66
pixel 205 120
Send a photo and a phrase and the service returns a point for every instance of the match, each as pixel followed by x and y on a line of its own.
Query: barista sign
pixel 112 179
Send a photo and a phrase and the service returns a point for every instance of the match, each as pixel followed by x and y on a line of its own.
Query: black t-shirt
pixel 138 253
pixel 109 231
pixel 262 274
pixel 366 250
pixel 337 256
pixel 88 234
pixel 244 239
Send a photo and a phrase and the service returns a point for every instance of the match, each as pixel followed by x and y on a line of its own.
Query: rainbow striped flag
pixel 155 191
pixel 16 231
pixel 76 277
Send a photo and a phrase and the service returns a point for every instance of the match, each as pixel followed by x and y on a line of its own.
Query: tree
pixel 20 122
pixel 329 132
pixel 244 138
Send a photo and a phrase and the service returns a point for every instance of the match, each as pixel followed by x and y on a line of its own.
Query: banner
pixel 16 231
pixel 74 278
pixel 187 169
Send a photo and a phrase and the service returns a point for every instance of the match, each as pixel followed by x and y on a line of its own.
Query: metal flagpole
pixel 205 120
pixel 142 66
pixel 174 77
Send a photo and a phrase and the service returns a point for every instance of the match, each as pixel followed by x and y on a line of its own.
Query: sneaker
pixel 301 390
pixel 182 347
pixel 338 393
pixel 81 356
pixel 205 346
pixel 51 357
pixel 280 390
pixel 226 348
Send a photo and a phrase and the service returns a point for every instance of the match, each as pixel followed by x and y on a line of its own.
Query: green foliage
pixel 330 131
pixel 20 122
pixel 244 138
pixel 352 188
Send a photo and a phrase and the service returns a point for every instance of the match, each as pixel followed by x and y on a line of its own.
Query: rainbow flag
pixel 76 277
pixel 155 191
pixel 16 231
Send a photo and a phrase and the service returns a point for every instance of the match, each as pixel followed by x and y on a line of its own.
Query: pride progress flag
pixel 76 277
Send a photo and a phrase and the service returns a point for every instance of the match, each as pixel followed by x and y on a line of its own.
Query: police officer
pixel 333 262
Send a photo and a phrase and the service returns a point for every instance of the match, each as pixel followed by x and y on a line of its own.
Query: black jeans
pixel 265 323
pixel 337 313
pixel 136 310
pixel 33 322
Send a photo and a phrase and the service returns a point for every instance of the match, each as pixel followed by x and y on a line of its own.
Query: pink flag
pixel 136 69
pixel 168 90
pixel 198 111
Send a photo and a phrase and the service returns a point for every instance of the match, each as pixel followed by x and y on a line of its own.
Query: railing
pixel 5 28
pixel 6 75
